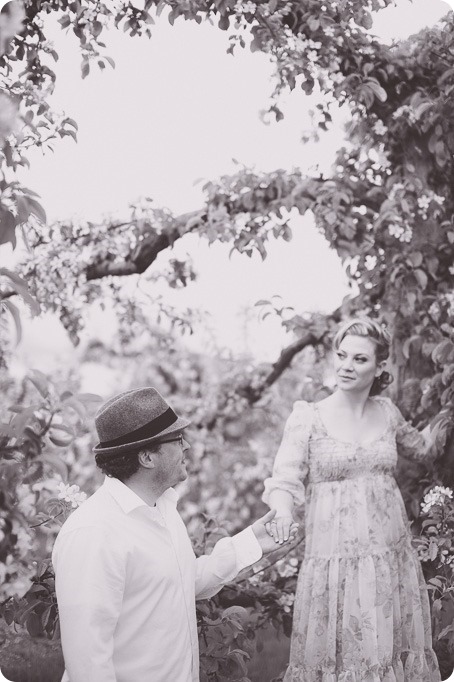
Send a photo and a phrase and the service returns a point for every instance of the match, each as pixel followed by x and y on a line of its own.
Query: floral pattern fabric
pixel 361 606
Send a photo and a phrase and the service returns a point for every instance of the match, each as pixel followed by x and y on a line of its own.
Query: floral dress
pixel 361 605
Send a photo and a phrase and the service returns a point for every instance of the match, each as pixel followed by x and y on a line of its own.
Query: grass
pixel 29 659
pixel 271 656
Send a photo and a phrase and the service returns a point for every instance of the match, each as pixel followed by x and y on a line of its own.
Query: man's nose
pixel 186 445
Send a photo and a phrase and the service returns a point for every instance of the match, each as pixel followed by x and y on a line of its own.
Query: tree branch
pixel 148 249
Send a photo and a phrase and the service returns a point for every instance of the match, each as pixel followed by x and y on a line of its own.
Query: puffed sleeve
pixel 411 443
pixel 290 466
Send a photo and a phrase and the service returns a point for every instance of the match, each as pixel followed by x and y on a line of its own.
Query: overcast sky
pixel 175 110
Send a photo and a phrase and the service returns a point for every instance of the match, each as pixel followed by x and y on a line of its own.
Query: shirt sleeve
pixel 290 465
pixel 228 558
pixel 411 443
pixel 89 582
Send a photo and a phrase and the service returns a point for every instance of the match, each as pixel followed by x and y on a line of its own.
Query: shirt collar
pixel 129 500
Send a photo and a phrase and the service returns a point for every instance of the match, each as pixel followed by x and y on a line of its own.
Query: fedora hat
pixel 134 418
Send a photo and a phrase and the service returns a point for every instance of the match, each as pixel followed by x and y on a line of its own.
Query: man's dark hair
pixel 123 464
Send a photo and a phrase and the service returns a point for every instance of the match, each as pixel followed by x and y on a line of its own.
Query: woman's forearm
pixel 282 501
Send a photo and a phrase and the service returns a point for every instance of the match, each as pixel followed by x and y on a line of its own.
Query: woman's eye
pixel 361 359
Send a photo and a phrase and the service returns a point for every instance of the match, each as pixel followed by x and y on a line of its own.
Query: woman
pixel 361 605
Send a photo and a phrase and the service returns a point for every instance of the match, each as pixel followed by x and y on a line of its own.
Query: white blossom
pixel 437 495
pixel 395 230
pixel 370 262
pixel 71 494
pixel 434 310
pixel 286 600
pixel 379 128
pixel 245 7
pixel 287 568
pixel 405 111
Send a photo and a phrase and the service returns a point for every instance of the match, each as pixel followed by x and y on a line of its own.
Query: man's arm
pixel 89 585
pixel 231 555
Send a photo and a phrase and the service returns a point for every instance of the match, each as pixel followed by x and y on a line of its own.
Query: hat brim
pixel 179 425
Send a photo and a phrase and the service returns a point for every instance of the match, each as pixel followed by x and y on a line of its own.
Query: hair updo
pixel 373 330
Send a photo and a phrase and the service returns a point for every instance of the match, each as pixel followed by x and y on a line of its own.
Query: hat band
pixel 149 430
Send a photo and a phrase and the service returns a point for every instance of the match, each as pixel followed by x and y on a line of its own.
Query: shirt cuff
pixel 247 548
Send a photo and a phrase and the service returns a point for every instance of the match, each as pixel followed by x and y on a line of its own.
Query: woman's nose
pixel 347 364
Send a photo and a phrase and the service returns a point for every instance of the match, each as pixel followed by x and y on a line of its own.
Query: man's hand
pixel 268 541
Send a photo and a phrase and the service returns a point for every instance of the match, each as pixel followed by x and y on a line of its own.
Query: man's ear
pixel 146 459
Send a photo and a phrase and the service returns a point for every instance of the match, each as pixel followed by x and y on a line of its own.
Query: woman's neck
pixel 351 400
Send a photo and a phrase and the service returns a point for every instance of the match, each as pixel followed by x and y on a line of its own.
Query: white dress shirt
pixel 127 580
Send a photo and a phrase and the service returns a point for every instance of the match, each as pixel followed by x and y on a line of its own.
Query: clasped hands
pixel 272 530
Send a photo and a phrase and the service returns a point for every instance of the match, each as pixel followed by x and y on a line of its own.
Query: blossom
pixel 286 601
pixel 71 494
pixel 434 310
pixel 437 495
pixel 402 233
pixel 329 31
pixel 451 270
pixel 23 542
pixel 287 568
pixel 246 7
pixel 448 298
pixel 395 230
pixel 379 128
pixel 370 262
pixel 405 111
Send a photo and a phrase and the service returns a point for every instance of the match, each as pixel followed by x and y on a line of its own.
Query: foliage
pixel 436 550
pixel 42 420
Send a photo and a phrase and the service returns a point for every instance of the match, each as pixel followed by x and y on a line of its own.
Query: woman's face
pixel 355 363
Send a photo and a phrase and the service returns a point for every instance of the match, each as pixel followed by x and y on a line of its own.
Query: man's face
pixel 171 462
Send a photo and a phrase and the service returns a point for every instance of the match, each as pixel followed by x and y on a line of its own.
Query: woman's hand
pixel 282 528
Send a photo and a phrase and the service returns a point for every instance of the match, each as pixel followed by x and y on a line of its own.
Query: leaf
pixel 61 441
pixel 378 91
pixel 365 20
pixel 37 209
pixel 76 406
pixel 443 352
pixel 85 70
pixel 421 278
pixel 88 398
pixel 14 311
pixel 7 228
pixel 415 259
pixel 39 381
pixel 96 28
pixel 21 288
pixel 57 464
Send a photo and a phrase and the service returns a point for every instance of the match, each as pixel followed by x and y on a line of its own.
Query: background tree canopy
pixel 386 208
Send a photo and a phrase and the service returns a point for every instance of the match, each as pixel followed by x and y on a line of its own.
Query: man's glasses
pixel 178 439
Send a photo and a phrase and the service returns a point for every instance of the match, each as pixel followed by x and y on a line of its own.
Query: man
pixel 126 575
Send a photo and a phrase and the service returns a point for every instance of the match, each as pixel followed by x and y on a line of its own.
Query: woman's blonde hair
pixel 373 330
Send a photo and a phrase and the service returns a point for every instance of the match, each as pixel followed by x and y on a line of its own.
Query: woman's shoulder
pixel 389 406
pixel 302 406
pixel 384 400
pixel 301 413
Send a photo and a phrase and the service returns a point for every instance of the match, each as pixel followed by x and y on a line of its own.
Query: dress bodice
pixel 333 459
pixel 308 454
